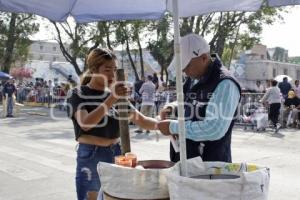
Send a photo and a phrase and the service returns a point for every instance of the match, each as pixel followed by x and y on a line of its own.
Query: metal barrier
pixel 40 96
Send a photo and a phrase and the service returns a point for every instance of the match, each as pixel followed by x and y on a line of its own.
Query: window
pixel 274 73
pixel 262 57
pixel 298 74
pixel 41 57
pixel 285 71
pixel 54 48
pixel 41 47
pixel 54 58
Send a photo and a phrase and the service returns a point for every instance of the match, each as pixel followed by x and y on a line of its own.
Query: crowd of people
pixel 148 95
pixel 41 91
pixel 283 98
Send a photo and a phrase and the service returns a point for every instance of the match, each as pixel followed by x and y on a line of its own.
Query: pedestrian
pixel 1 89
pixel 291 109
pixel 273 98
pixel 50 92
pixel 211 97
pixel 297 88
pixel 137 96
pixel 259 88
pixel 92 108
pixel 148 96
pixel 9 91
pixel 285 87
pixel 155 80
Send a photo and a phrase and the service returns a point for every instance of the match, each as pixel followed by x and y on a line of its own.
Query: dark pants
pixel 274 113
pixel 212 151
pixel 10 106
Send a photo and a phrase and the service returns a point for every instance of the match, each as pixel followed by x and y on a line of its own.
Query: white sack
pixel 253 183
pixel 131 183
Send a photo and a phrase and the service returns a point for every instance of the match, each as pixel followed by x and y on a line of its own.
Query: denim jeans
pixel 88 156
pixel 10 106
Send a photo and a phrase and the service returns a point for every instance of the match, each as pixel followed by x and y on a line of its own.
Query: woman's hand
pixel 119 90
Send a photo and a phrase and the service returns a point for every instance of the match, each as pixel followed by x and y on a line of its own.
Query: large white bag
pixel 246 182
pixel 131 183
pixel 261 120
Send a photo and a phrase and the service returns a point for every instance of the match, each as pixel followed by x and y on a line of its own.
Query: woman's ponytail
pixel 86 77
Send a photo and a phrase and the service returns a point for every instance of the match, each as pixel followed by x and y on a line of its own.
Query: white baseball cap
pixel 192 46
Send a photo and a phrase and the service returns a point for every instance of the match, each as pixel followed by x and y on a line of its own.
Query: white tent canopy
pixel 96 10
pixel 187 8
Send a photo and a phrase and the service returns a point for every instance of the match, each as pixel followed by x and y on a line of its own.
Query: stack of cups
pixel 129 160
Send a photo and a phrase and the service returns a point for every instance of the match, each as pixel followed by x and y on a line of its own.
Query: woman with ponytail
pixel 92 110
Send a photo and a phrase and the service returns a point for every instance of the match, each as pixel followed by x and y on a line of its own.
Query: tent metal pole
pixel 179 88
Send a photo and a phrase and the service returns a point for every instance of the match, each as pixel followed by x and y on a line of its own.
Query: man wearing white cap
pixel 211 96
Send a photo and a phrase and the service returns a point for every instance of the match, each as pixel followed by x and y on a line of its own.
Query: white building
pixel 47 62
pixel 46 51
pixel 262 64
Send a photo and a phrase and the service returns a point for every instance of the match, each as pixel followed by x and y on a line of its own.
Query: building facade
pixel 262 64
pixel 48 63
pixel 46 51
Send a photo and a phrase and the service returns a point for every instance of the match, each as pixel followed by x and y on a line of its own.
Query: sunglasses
pixel 104 53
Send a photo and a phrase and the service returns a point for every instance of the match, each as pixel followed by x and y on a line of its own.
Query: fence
pixel 41 96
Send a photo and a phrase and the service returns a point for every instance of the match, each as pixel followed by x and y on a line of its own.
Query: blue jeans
pixel 88 156
pixel 10 106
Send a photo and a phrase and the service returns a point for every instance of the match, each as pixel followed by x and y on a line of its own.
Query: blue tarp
pixel 283 2
pixel 97 10
pixel 4 75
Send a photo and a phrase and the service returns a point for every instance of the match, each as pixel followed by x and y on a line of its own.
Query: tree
pixel 253 23
pixel 78 40
pixel 14 32
pixel 21 72
pixel 162 48
pixel 138 27
pixel 124 35
pixel 225 27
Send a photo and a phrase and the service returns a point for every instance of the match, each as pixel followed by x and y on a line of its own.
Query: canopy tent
pixel 4 76
pixel 97 10
pixel 274 3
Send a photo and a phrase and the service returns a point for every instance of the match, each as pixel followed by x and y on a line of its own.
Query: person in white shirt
pixel 273 98
pixel 259 88
pixel 148 95
pixel 297 88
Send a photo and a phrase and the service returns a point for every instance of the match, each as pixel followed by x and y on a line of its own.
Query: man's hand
pixel 163 126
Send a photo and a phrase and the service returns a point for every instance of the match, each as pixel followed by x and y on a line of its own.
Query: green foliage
pixel 15 30
pixel 226 57
pixel 76 40
pixel 162 47
pixel 230 32
pixel 295 60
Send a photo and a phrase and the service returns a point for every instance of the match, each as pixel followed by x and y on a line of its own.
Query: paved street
pixel 37 156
